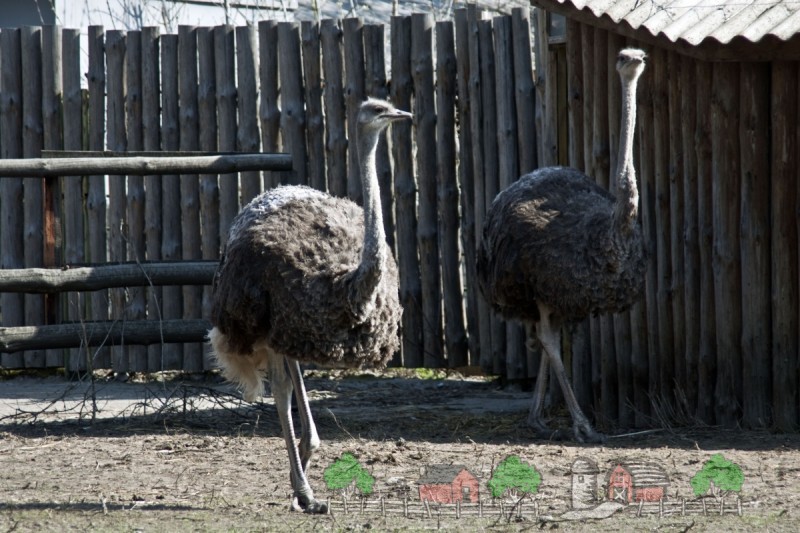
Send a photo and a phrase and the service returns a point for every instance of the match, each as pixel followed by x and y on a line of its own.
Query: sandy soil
pixel 189 456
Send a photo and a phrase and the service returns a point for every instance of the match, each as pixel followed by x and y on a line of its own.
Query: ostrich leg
pixel 281 384
pixel 535 419
pixel 309 440
pixel 550 336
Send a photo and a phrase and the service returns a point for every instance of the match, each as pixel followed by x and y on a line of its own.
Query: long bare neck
pixel 627 193
pixel 373 252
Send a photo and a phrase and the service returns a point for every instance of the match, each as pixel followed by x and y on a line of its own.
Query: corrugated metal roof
pixel 694 21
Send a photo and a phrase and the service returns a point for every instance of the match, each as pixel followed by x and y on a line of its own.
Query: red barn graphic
pixel 637 481
pixel 448 484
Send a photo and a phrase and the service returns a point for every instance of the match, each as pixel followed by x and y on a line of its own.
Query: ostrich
pixel 306 277
pixel 557 247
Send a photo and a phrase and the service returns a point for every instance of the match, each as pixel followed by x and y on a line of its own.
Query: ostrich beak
pixel 397 114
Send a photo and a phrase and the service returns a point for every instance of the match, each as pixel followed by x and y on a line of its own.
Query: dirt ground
pixel 189 456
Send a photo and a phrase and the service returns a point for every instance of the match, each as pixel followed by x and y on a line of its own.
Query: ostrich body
pixel 557 247
pixel 306 277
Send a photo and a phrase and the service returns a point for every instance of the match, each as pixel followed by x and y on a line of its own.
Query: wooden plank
pixel 707 358
pixel 691 250
pixel 189 140
pixel 466 181
pixel 784 161
pixel 427 228
pixel 224 72
pixel 11 196
pixel 455 337
pixel 293 118
pixel 171 240
pixel 96 201
pixel 72 186
pixel 136 307
pixel 406 190
pixel 726 188
pixel 377 86
pixel 524 92
pixel 117 141
pixel 52 137
pixel 508 167
pixel 354 93
pixel 336 122
pixel 315 121
pixel 754 134
pixel 247 136
pixel 268 111
pixel 151 140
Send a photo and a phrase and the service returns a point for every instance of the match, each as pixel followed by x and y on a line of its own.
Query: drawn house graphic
pixel 584 483
pixel 448 484
pixel 636 481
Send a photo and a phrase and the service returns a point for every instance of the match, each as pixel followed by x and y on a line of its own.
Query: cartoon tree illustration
pixel 514 476
pixel 346 474
pixel 719 476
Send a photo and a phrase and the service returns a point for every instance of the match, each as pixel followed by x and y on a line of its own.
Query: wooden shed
pixel 636 482
pixel 448 484
pixel 716 337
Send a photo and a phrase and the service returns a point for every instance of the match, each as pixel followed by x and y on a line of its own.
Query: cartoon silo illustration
pixel 584 483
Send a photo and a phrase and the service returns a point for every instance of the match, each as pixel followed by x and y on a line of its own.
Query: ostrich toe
pixel 310 506
pixel 585 433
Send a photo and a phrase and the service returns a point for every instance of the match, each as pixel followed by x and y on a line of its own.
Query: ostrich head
pixel 630 63
pixel 375 115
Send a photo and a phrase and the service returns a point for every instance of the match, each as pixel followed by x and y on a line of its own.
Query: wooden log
pixel 224 72
pixel 490 170
pixel 666 352
pixel 109 333
pixel 784 272
pixel 475 95
pixel 96 202
pixel 406 190
pixel 455 337
pixel 508 167
pixel 754 135
pixel 93 278
pixel 676 223
pixel 335 125
pixel 377 86
pixel 135 308
pixel 354 91
pixel 247 135
pixel 269 113
pixel 189 140
pixel 33 190
pixel 151 140
pixel 171 240
pixel 691 251
pixel 315 123
pixel 52 137
pixel 707 358
pixel 466 181
pixel 524 92
pixel 427 228
pixel 11 195
pixel 72 186
pixel 546 102
pixel 726 188
pixel 116 140
pixel 293 118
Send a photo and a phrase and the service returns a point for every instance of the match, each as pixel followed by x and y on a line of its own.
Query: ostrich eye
pixel 378 109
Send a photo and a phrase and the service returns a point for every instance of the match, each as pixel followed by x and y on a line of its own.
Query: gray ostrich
pixel 557 247
pixel 306 277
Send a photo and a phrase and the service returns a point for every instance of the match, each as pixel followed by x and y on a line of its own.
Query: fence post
pixel 344 500
pixel 703 500
pixel 739 505
pixel 639 509
pixel 405 507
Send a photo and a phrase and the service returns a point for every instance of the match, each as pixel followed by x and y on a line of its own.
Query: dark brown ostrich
pixel 557 247
pixel 306 277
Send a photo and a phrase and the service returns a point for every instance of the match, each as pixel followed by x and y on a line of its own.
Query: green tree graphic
pixel 718 475
pixel 515 476
pixel 341 474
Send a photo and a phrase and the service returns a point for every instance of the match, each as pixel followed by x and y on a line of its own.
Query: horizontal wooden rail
pixel 52 280
pixel 138 332
pixel 141 165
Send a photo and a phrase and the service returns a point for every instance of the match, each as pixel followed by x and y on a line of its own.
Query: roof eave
pixel 770 48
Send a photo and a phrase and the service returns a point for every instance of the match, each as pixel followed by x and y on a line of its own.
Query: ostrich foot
pixel 312 506
pixel 585 433
pixel 543 431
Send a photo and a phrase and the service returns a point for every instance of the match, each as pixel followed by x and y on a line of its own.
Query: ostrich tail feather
pixel 246 370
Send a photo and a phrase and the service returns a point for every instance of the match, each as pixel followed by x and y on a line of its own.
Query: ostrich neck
pixel 373 252
pixel 627 205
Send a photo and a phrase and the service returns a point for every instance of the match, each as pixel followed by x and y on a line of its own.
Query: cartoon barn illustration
pixel 448 484
pixel 584 483
pixel 636 481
